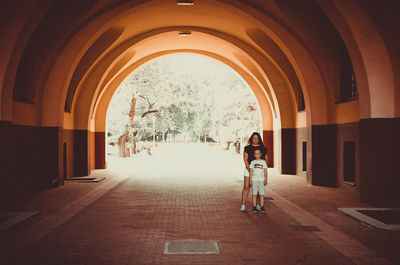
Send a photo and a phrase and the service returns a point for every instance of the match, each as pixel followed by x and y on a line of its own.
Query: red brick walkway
pixel 128 218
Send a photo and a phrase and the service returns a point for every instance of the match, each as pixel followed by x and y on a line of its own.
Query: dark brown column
pixel 380 162
pixel 268 140
pixel 50 150
pixel 100 150
pixel 348 164
pixel 81 153
pixel 6 154
pixel 302 147
pixel 92 148
pixel 323 156
pixel 69 152
pixel 30 158
pixel 288 136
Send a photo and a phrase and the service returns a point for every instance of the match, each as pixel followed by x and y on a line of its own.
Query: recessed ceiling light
pixel 185 33
pixel 185 2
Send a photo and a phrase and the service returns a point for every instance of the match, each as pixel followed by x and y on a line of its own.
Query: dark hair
pixel 257 148
pixel 259 139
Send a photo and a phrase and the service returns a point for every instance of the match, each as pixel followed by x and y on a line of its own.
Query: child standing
pixel 258 179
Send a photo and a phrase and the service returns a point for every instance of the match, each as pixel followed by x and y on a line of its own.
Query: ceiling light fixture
pixel 185 33
pixel 185 2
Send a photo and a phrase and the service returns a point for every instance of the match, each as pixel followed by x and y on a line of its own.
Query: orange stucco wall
pixel 76 53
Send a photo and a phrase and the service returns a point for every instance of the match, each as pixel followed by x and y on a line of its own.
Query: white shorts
pixel 246 172
pixel 258 187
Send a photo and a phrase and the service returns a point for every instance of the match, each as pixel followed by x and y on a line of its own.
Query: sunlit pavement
pixel 196 162
pixel 191 192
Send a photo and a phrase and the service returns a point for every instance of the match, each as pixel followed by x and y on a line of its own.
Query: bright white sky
pixel 201 68
pixel 195 65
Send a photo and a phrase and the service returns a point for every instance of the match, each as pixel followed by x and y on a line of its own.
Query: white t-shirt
pixel 258 167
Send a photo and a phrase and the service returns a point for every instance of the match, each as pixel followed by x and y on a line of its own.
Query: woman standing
pixel 255 142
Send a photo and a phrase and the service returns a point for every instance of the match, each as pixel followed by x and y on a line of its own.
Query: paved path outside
pixel 192 193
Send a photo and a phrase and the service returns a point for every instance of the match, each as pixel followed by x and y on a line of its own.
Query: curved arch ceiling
pixel 101 105
pixel 298 39
pixel 270 55
pixel 205 44
pixel 199 42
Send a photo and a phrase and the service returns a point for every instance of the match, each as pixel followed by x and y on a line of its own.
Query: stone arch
pixel 369 56
pixel 289 121
pixel 20 33
pixel 373 59
pixel 276 83
pixel 102 102
pixel 282 46
pixel 46 120
pixel 50 117
pixel 266 68
pixel 96 49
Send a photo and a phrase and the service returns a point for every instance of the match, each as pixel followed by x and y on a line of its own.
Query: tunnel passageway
pixel 192 192
pixel 323 75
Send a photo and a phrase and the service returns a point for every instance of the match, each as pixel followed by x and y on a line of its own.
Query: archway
pixel 109 84
pixel 56 72
pixel 191 98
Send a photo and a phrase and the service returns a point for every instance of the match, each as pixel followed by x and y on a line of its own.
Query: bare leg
pixel 254 200
pixel 262 200
pixel 246 189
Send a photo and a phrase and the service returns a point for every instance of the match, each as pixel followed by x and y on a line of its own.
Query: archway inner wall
pixel 100 110
pixel 267 128
pixel 289 33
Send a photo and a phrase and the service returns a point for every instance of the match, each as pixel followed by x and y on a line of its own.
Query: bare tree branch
pixel 148 112
pixel 149 107
pixel 148 102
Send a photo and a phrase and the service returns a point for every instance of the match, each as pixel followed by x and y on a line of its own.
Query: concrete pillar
pixel 380 162
pixel 268 140
pixel 81 153
pixel 30 158
pixel 288 136
pixel 100 150
pixel 323 156
pixel 6 162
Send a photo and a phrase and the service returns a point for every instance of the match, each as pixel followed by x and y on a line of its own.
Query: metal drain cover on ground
pixel 85 179
pixel 191 247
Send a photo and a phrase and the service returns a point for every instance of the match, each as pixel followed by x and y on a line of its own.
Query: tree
pixel 123 152
pixel 216 105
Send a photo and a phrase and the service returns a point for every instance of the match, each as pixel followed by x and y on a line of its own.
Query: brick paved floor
pixel 128 218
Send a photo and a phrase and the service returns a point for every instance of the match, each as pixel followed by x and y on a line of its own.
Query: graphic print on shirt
pixel 258 166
